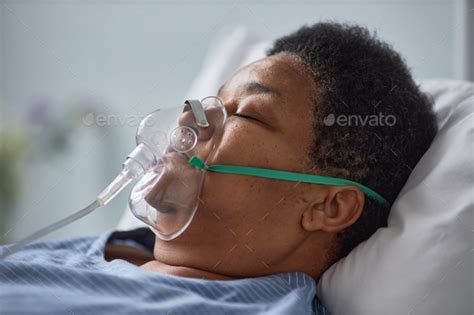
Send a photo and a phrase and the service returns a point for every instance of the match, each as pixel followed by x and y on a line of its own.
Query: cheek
pixel 245 203
pixel 235 199
pixel 241 144
pixel 239 197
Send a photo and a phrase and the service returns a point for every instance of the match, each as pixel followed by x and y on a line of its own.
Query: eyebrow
pixel 256 88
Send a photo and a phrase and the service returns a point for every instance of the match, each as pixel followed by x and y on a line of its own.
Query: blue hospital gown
pixel 72 277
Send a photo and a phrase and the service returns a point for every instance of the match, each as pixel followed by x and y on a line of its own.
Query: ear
pixel 341 208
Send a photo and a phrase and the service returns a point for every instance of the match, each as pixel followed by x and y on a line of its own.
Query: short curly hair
pixel 360 76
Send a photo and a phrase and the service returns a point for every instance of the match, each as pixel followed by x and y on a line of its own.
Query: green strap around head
pixel 283 175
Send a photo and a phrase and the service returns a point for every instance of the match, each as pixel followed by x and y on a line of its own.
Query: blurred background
pixel 63 63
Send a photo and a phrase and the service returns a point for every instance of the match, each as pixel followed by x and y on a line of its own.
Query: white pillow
pixel 422 262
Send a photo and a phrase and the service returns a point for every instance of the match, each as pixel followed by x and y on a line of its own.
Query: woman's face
pixel 247 226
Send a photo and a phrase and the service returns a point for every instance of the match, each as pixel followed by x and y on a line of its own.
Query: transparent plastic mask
pixel 167 195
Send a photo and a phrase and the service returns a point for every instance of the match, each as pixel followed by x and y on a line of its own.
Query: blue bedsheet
pixel 72 277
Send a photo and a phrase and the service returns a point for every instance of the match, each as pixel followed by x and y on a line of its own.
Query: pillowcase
pixel 422 262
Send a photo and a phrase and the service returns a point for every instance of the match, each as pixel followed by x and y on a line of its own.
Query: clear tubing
pixel 9 250
pixel 116 186
pixel 131 170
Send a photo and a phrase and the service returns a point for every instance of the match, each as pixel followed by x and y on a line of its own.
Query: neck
pixel 182 271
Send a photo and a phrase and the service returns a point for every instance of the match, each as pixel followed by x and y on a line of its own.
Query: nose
pixel 215 113
pixel 187 119
pixel 230 106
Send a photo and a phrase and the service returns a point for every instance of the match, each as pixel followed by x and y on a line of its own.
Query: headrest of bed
pixel 422 262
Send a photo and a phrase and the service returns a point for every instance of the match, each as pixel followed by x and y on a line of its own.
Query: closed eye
pixel 246 117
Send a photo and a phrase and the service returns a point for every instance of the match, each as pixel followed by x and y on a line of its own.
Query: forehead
pixel 283 72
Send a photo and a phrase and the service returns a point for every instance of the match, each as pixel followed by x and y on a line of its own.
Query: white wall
pixel 134 56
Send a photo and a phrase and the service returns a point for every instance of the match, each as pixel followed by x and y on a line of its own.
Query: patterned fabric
pixel 72 277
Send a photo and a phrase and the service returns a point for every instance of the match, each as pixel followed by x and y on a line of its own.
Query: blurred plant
pixel 50 130
pixel 41 133
pixel 13 142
